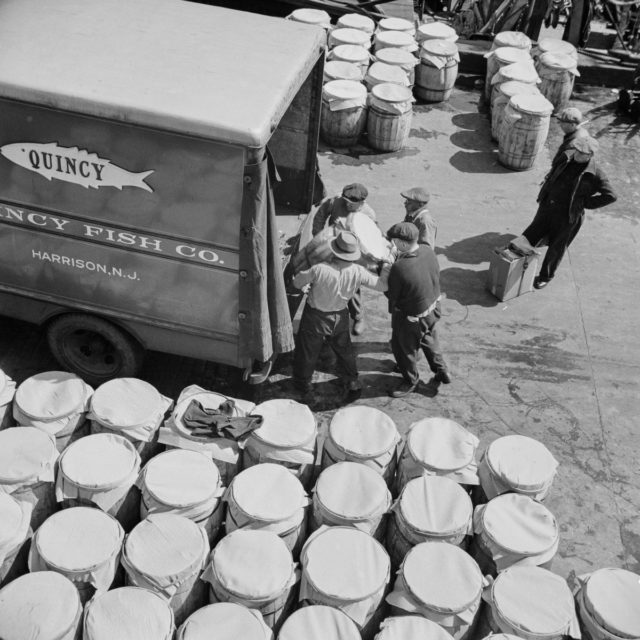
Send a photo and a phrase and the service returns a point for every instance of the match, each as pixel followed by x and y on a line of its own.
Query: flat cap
pixel 416 193
pixel 572 115
pixel 355 192
pixel 406 231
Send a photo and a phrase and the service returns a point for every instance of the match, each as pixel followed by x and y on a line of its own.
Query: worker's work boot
pixel 404 389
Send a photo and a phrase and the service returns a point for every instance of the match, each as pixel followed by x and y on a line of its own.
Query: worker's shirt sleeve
pixel 303 278
pixel 321 216
pixel 371 281
pixel 604 194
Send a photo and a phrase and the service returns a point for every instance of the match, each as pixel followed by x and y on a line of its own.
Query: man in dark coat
pixel 414 304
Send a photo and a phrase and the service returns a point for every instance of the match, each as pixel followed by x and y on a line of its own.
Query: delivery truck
pixel 150 153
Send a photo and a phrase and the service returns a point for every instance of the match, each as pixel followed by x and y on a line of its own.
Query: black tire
pixel 93 348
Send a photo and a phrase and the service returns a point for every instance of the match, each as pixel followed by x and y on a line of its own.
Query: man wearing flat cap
pixel 334 212
pixel 416 200
pixel 414 304
pixel 574 183
pixel 326 317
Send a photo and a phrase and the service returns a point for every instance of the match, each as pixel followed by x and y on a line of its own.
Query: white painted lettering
pixel 55 258
pixel 126 238
pixel 145 242
pixel 17 214
pixel 66 261
pixel 31 217
pixel 59 223
pixel 208 256
pixel 36 254
pixel 185 250
pixel 91 230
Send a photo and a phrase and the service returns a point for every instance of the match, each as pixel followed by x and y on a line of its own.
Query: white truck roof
pixel 170 64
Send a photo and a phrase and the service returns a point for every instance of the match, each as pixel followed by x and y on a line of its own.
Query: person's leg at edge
pixel 405 343
pixel 340 342
pixel 431 347
pixel 309 342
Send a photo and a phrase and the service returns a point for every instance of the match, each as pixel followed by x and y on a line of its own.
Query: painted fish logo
pixel 72 165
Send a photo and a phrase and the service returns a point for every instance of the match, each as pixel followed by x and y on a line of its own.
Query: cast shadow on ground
pixel 620 124
pixel 476 249
pixel 477 162
pixel 467 286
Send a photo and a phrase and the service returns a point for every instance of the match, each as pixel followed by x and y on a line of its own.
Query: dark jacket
pixel 414 281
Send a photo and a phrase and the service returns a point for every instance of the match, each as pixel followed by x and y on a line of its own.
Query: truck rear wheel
pixel 93 348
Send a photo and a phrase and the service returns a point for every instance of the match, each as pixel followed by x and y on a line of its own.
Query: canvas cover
pixel 552 64
pixel 354 37
pixel 311 16
pixel 14 524
pixel 396 24
pixel 356 21
pixel 382 72
pixel 340 70
pixel 508 55
pixel 344 94
pixel 436 30
pixel 392 55
pixel 318 622
pixel 411 628
pixel 27 456
pixel 522 71
pixel 400 39
pixel 556 45
pixel 364 432
pixel 231 621
pixel 515 39
pixel 349 53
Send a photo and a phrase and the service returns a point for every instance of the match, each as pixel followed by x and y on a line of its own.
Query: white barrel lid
pixel 555 60
pixel 24 452
pixel 383 72
pixel 518 523
pixel 397 24
pixel 11 518
pixel 125 402
pixel 557 46
pixel 534 600
pixel 231 621
pixel 339 90
pixel 367 492
pixel 99 461
pixel 394 55
pixel 346 563
pixel 435 505
pixel 182 478
pixel 534 104
pixel 51 395
pixel 165 544
pixel 79 538
pixel 523 71
pixel 356 21
pixel 363 431
pixel 287 423
pixel 440 443
pixel 318 622
pixel 515 39
pixel 3 380
pixel 255 564
pixel 268 492
pixel 442 576
pixel 443 48
pixel 310 16
pixel 436 30
pixel 508 55
pixel 128 613
pixel 412 628
pixel 514 88
pixel 612 597
pixel 502 636
pixel 351 36
pixel 350 53
pixel 43 604
pixel 520 461
pixel 341 70
pixel 394 38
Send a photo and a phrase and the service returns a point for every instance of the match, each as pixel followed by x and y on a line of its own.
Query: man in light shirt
pixel 326 315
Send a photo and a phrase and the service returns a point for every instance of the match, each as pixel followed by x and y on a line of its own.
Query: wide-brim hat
pixel 346 246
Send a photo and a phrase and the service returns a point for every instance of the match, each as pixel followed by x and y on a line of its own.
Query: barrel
pixel 166 554
pixel 363 506
pixel 515 39
pixel 7 391
pixel 133 409
pixel 228 621
pixel 268 497
pixel 436 75
pixel 399 58
pixel 531 603
pixel 339 70
pixel 101 471
pixel 390 116
pixel 430 508
pixel 186 483
pixel 498 58
pixel 554 45
pixel 344 112
pixel 438 447
pixel 501 96
pixel 523 131
pixel 356 21
pixel 558 72
pixel 14 538
pixel 513 530
pixel 353 37
pixel 380 72
pixel 608 603
pixel 442 583
pixel 332 574
pixel 523 71
pixel 365 435
pixel 318 622
pixel 517 464
pixel 311 16
pixel 224 452
pixel 43 605
pixel 411 628
pixel 27 470
pixel 128 613
pixel 263 580
pixel 56 402
pixel 435 31
pixel 286 437
pixel 83 544
pixel 396 24
pixel 395 40
pixel 351 53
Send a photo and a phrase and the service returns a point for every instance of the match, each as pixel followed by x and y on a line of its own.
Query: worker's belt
pixel 425 313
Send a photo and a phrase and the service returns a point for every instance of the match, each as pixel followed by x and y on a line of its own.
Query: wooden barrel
pixel 351 53
pixel 397 24
pixel 436 75
pixel 354 37
pixel 501 96
pixel 558 72
pixel 340 70
pixel 523 71
pixel 380 72
pixel 401 58
pixel 411 628
pixel 356 21
pixel 15 534
pixel 554 45
pixel 390 116
pixel 523 132
pixel 394 39
pixel 498 58
pixel 228 620
pixel 7 391
pixel 435 31
pixel 344 112
pixel 515 39
pixel 311 16
pixel 317 622
pixel 166 553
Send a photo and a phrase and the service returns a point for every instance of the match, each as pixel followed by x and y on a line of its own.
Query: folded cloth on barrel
pixel 203 421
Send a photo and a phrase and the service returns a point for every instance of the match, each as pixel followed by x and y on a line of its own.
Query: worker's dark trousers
pixel 316 327
pixel 554 226
pixel 407 338
pixel 355 306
